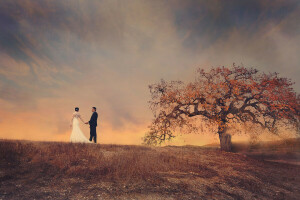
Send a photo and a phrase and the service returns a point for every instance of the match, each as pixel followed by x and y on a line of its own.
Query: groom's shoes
pixel 95 139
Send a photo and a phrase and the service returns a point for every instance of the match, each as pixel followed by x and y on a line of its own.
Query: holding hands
pixel 77 135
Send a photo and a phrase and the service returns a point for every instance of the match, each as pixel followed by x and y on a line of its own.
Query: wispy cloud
pixel 56 55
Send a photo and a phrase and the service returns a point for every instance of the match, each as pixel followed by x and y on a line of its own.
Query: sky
pixel 56 55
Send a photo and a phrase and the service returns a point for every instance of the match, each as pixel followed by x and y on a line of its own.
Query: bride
pixel 77 135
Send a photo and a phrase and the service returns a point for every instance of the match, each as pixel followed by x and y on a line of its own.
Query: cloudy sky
pixel 55 55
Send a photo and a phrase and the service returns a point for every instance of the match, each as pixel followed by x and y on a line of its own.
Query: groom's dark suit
pixel 93 125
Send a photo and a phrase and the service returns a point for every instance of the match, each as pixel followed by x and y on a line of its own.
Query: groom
pixel 93 125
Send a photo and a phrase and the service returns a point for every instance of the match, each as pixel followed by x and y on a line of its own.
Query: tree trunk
pixel 225 142
pixel 225 139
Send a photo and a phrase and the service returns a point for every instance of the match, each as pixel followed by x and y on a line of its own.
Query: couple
pixel 77 135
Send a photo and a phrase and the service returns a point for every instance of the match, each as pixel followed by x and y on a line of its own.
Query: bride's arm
pixel 81 118
pixel 72 120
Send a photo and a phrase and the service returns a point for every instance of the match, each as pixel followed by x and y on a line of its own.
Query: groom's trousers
pixel 93 134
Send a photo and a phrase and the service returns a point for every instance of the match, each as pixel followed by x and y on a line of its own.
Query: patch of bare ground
pixel 50 170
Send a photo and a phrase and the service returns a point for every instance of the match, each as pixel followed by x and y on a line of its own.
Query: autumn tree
pixel 223 96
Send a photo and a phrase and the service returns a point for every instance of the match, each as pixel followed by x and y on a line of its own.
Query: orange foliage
pixel 222 96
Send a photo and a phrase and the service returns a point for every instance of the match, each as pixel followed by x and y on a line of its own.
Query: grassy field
pixel 51 170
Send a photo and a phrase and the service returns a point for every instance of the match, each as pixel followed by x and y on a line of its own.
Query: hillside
pixel 51 170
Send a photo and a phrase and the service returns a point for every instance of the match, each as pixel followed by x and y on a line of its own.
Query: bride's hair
pixel 76 109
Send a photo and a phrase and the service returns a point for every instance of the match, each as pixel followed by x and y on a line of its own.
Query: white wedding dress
pixel 77 135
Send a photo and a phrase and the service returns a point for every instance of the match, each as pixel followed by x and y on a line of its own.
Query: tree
pixel 223 96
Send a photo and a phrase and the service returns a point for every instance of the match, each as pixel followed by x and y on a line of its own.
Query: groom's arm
pixel 92 119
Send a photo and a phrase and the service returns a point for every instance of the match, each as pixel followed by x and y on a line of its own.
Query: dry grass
pixel 49 170
pixel 284 151
pixel 291 144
